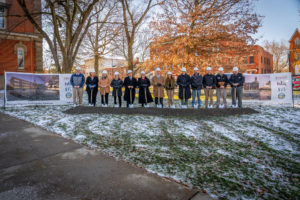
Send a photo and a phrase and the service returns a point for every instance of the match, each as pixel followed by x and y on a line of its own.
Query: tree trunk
pixel 130 61
pixel 96 63
pixel 130 56
pixel 67 65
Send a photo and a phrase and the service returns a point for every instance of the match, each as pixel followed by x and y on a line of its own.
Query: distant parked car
pixel 296 82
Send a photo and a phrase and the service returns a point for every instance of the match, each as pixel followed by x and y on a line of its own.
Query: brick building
pixel 20 43
pixel 294 53
pixel 258 61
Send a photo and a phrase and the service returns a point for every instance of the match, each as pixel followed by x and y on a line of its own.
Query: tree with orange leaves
pixel 199 33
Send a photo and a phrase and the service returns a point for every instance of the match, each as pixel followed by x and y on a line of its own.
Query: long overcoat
pixel 144 85
pixel 158 86
pixel 129 82
pixel 104 85
pixel 184 82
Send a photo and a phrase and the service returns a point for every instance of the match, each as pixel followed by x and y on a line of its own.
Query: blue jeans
pixel 194 92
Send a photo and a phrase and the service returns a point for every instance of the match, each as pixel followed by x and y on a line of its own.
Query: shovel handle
pixel 130 95
pixel 146 101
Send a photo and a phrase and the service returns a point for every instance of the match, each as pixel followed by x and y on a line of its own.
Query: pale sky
pixel 281 19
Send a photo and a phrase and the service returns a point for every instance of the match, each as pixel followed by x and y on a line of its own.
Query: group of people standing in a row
pixel 186 83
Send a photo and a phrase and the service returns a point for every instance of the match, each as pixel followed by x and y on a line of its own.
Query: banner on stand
pixel 52 89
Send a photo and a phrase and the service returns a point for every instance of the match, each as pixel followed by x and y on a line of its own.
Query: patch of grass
pixel 190 150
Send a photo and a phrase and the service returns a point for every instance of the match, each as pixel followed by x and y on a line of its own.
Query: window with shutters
pixel 21 58
pixel 251 59
pixel 2 18
pixel 297 41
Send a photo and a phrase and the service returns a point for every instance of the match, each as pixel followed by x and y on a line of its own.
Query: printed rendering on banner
pixel 257 87
pixel 32 87
pixel 36 89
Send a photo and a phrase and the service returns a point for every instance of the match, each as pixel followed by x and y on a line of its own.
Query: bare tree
pixel 133 17
pixel 279 51
pixel 143 44
pixel 102 31
pixel 70 21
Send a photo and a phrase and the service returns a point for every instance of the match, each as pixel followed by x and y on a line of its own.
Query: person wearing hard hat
pixel 130 84
pixel 145 96
pixel 222 81
pixel 117 85
pixel 158 82
pixel 77 81
pixel 92 87
pixel 196 83
pixel 184 82
pixel 170 87
pixel 236 81
pixel 104 86
pixel 209 84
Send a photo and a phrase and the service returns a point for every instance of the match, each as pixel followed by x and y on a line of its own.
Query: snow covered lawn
pixel 248 156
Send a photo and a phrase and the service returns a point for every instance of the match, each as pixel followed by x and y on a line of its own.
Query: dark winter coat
pixel 196 81
pixel 128 82
pixel 239 78
pixel 209 80
pixel 117 87
pixel 184 82
pixel 221 79
pixel 143 85
pixel 92 82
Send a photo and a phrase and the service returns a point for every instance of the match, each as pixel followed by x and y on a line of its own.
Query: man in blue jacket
pixel 196 83
pixel 77 82
pixel 236 81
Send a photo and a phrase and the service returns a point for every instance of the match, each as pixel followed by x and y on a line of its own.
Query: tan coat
pixel 104 85
pixel 158 91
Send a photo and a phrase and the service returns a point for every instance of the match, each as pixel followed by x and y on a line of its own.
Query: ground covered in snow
pixel 246 156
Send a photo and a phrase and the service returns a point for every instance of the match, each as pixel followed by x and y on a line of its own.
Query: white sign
pixel 66 93
pixel 281 85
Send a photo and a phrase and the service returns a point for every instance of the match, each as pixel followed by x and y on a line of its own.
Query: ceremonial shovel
pixel 130 105
pixel 146 100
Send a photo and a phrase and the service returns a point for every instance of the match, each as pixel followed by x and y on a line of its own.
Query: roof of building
pixel 263 49
pixel 296 31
